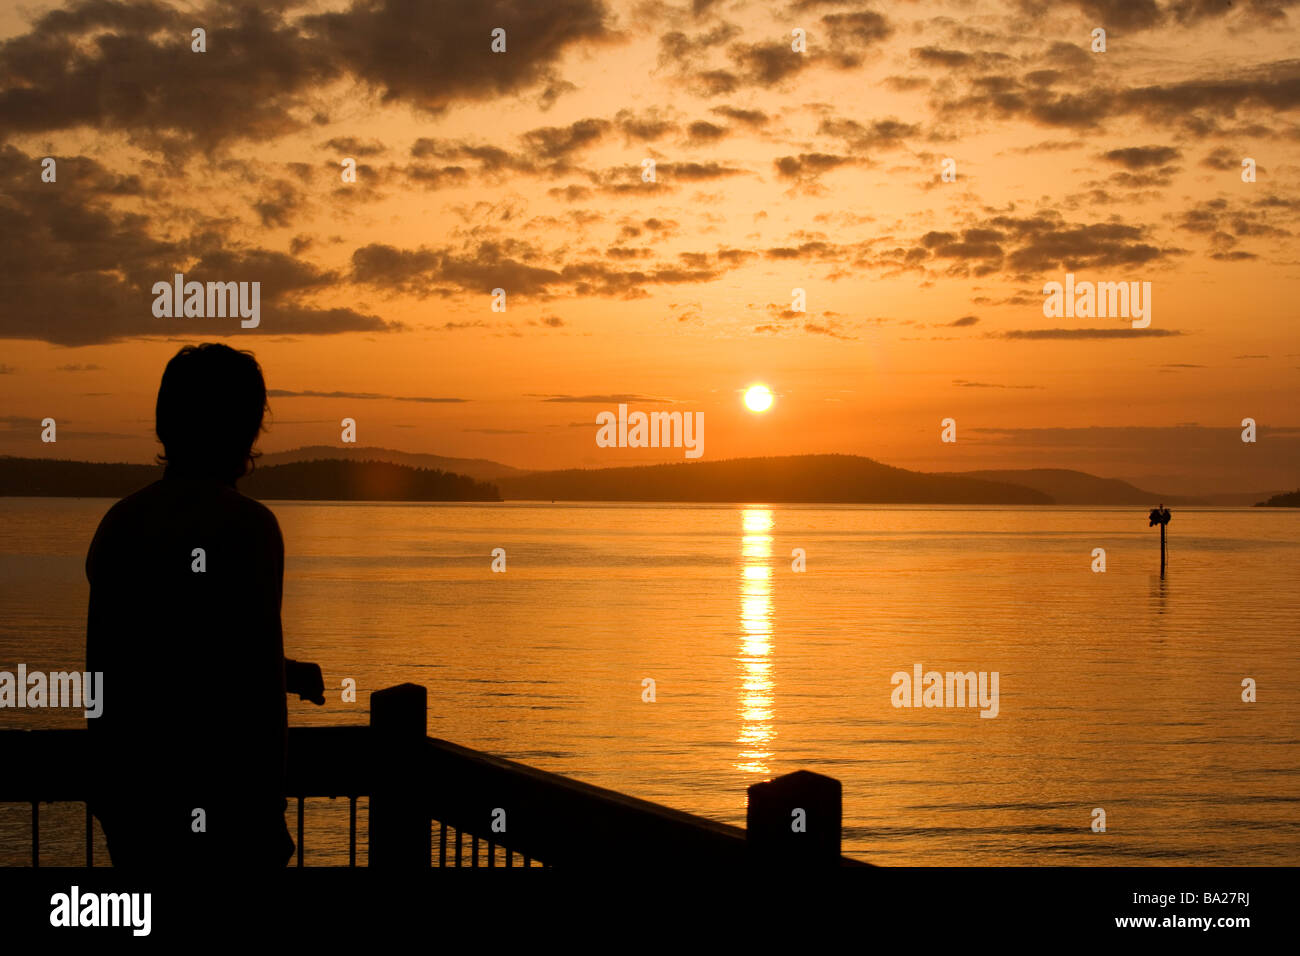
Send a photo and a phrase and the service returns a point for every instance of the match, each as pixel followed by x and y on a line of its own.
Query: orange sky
pixel 775 170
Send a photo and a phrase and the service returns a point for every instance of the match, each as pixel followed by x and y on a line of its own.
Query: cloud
pixel 431 54
pixel 962 383
pixel 23 429
pixel 78 271
pixel 1142 157
pixel 960 59
pixel 703 132
pixel 352 147
pixel 964 321
pixel 1147 14
pixel 310 393
pixel 1112 334
pixel 275 210
pixel 748 117
pixel 808 167
pixel 78 367
pixel 1023 245
pixel 559 142
pixel 645 127
pixel 1197 105
pixel 878 134
pixel 612 399
pixel 128 65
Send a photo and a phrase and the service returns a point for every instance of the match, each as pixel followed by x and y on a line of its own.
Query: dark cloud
pixel 1124 14
pixel 429 54
pixel 879 134
pixel 350 146
pixel 962 383
pixel 644 127
pixel 277 208
pixel 813 249
pixel 767 64
pixel 960 59
pixel 1035 244
pixel 809 166
pixel 749 117
pixel 78 271
pixel 680 49
pixel 79 367
pixel 128 65
pixel 703 132
pixel 1197 105
pixel 696 172
pixel 612 399
pixel 1112 334
pixel 559 142
pixel 1142 157
pixel 310 393
pixel 842 41
pixel 1222 159
pixel 477 268
pixel 1147 14
pixel 964 321
pixel 829 329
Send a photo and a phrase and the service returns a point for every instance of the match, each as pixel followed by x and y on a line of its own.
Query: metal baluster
pixel 300 830
pixel 90 838
pixel 442 843
pixel 36 833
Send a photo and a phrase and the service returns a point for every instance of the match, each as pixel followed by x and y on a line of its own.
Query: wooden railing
pixel 427 795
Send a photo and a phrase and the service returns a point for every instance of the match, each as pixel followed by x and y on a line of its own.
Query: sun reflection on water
pixel 755 698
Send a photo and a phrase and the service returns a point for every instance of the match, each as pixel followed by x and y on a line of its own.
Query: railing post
pixel 794 820
pixel 399 824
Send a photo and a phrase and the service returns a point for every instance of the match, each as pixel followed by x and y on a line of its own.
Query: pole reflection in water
pixel 755 658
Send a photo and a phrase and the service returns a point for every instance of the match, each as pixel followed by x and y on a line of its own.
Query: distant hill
pixel 798 478
pixel 479 468
pixel 328 480
pixel 59 477
pixel 1066 487
pixel 1290 499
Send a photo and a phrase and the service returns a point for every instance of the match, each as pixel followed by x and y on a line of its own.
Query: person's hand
pixel 304 679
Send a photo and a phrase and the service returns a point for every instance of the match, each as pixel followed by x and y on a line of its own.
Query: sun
pixel 758 398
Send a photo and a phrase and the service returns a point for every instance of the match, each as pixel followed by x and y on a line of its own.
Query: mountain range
pixel 369 473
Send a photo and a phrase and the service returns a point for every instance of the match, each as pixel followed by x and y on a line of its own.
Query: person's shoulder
pixel 130 503
pixel 253 512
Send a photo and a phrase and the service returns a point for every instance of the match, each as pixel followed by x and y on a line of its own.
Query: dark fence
pixel 435 803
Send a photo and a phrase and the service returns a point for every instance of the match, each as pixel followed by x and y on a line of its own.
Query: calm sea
pixel 1118 691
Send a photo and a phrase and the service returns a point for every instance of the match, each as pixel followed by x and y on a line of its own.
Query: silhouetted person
pixel 189 640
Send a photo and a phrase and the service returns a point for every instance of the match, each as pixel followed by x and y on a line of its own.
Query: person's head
pixel 210 408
